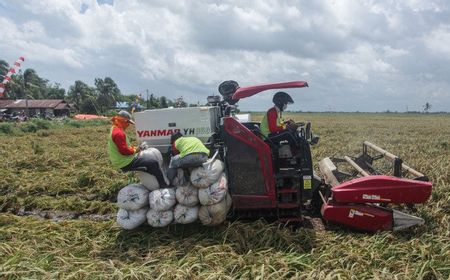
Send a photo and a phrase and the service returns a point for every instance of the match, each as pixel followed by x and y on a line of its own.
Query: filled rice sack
pixel 159 218
pixel 185 214
pixel 187 195
pixel 215 214
pixel 180 180
pixel 162 199
pixel 132 197
pixel 131 219
pixel 214 193
pixel 204 176
pixel 152 153
pixel 148 180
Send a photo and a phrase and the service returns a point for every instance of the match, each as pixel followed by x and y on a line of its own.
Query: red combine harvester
pixel 275 180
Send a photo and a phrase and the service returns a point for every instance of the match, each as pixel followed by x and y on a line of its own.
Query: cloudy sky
pixel 367 55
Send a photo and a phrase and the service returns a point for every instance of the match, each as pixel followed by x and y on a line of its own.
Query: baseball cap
pixel 126 115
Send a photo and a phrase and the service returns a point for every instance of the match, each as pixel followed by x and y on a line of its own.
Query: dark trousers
pixel 190 160
pixel 147 165
pixel 285 135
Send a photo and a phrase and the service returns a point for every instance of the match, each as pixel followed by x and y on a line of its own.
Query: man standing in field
pixel 187 152
pixel 126 157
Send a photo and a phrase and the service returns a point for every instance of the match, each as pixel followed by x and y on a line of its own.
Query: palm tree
pixel 427 107
pixel 4 66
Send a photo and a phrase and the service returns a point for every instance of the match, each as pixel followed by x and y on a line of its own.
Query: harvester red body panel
pixel 265 198
pixel 382 189
pixel 244 92
pixel 354 203
pixel 358 216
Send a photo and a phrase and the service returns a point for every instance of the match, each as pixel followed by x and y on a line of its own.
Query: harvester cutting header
pixel 272 177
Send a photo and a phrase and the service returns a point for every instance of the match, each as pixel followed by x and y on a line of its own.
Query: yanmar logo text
pixel 168 132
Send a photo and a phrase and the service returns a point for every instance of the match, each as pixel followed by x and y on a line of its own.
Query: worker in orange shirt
pixel 126 157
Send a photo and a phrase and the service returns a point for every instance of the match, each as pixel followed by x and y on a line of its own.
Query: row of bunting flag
pixel 8 75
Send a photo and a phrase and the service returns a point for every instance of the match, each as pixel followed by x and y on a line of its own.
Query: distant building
pixel 122 105
pixel 129 106
pixel 40 107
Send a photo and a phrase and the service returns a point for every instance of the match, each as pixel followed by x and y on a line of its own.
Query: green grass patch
pixel 6 128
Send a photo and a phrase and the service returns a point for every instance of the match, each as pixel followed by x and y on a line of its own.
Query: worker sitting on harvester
pixel 186 152
pixel 126 157
pixel 273 125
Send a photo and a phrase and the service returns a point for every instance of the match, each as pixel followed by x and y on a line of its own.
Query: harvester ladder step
pixel 287 190
pixel 288 173
pixel 293 219
pixel 288 205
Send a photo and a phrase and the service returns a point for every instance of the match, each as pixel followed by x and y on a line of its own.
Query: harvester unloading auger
pixel 275 180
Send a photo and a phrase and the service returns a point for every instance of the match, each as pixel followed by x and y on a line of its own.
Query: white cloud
pixel 349 51
pixel 438 41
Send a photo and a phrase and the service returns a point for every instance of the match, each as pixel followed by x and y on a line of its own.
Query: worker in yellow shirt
pixel 187 152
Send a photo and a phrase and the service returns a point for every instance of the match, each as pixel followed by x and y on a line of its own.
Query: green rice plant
pixel 85 123
pixel 84 180
pixel 44 133
pixel 73 123
pixel 42 124
pixel 6 128
pixel 29 127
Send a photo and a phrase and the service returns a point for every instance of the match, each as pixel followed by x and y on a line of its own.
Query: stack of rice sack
pixel 186 211
pixel 161 203
pixel 204 197
pixel 212 192
pixel 133 206
pixel 133 200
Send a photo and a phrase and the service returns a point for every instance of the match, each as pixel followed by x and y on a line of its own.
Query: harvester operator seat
pixel 284 136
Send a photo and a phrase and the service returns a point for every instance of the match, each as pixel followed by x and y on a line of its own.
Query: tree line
pixel 99 99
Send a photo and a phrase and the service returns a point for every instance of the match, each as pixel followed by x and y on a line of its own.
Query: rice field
pixel 57 207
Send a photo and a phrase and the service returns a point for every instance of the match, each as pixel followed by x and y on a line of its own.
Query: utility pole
pixel 147 98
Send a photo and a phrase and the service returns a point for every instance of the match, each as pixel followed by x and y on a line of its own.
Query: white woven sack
pixel 214 193
pixel 152 153
pixel 185 214
pixel 204 176
pixel 159 218
pixel 179 180
pixel 148 180
pixel 132 197
pixel 131 219
pixel 187 195
pixel 162 199
pixel 215 214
